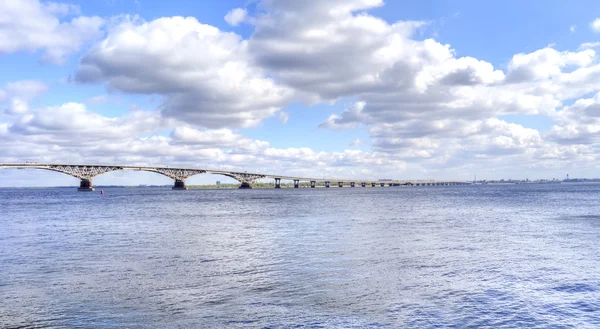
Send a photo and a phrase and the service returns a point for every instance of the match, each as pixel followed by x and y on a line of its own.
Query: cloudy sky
pixel 341 88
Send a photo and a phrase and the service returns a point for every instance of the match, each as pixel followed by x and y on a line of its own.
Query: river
pixel 395 257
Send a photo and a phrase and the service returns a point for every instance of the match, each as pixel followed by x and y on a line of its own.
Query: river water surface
pixel 520 256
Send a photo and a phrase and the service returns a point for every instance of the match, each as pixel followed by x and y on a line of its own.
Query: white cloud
pixel 205 74
pixel 348 119
pixel 595 25
pixel 283 117
pixel 71 132
pixel 418 100
pixel 17 95
pixel 28 25
pixel 73 122
pixel 357 142
pixel 316 48
pixel 18 106
pixel 578 123
pixel 208 137
pixel 546 63
pixel 572 28
pixel 23 89
pixel 589 45
pixel 236 16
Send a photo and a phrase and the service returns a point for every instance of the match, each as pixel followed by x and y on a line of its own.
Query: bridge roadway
pixel 86 172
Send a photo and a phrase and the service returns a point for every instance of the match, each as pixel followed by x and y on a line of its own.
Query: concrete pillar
pixel 179 185
pixel 327 184
pixel 363 184
pixel 296 183
pixel 340 184
pixel 372 184
pixel 352 184
pixel 313 184
pixel 277 182
pixel 85 186
pixel 245 185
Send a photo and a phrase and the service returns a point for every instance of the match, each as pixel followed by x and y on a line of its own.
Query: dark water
pixel 475 256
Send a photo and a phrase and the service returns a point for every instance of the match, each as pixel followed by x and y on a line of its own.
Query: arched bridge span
pixel 86 172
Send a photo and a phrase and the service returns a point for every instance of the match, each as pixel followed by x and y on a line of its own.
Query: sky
pixel 343 88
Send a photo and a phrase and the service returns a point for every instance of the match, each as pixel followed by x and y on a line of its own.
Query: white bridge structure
pixel 86 172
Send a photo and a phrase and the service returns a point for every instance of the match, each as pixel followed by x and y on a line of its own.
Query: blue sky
pixel 355 88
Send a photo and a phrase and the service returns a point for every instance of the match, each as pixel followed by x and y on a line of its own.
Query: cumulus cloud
pixel 317 49
pixel 546 63
pixel 29 25
pixel 578 123
pixel 223 137
pixel 204 74
pixel 75 123
pixel 17 106
pixel 595 25
pixel 23 89
pixel 17 95
pixel 417 98
pixel 236 16
pixel 348 119
pixel 410 93
pixel 71 132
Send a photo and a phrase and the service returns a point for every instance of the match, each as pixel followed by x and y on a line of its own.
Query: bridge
pixel 86 172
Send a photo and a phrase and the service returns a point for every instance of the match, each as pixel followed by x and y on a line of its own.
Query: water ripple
pixel 443 257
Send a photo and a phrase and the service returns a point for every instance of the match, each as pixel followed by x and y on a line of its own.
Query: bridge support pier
pixel 340 184
pixel 313 184
pixel 382 184
pixel 372 184
pixel 245 185
pixel 85 186
pixel 277 182
pixel 391 184
pixel 296 183
pixel 327 184
pixel 352 184
pixel 363 184
pixel 179 185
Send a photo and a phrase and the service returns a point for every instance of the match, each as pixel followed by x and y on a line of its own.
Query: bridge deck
pixel 103 168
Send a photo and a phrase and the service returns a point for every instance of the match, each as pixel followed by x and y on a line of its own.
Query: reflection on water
pixel 515 256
